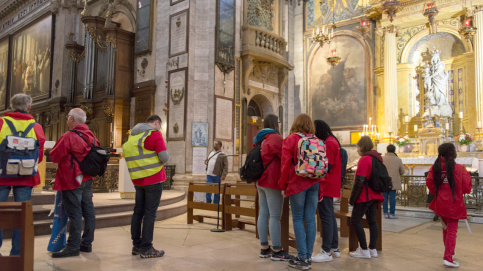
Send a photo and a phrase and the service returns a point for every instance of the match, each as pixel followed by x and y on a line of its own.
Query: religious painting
pixel 31 60
pixel 178 33
pixel 225 36
pixel 199 134
pixel 339 94
pixel 144 27
pixel 323 12
pixel 3 73
pixel 177 86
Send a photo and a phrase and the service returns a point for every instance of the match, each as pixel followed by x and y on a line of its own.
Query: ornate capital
pixel 388 29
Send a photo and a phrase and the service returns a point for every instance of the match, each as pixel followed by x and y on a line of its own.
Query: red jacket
pixel 27 181
pixel 364 168
pixel 271 154
pixel 68 170
pixel 289 181
pixel 443 204
pixel 331 183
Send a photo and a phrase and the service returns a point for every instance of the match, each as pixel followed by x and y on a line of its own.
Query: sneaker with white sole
pixel 360 253
pixel 451 264
pixel 393 217
pixel 335 252
pixel 322 257
pixel 373 253
pixel 386 216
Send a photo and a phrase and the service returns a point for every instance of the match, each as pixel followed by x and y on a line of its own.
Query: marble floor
pixel 408 244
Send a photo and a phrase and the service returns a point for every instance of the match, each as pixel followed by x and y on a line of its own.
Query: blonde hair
pixel 303 124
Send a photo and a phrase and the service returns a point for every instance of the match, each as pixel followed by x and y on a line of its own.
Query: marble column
pixel 478 47
pixel 390 79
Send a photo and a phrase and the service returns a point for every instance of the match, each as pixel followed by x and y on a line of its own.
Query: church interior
pixel 403 72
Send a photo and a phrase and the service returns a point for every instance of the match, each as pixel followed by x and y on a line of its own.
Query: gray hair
pixel 20 102
pixel 79 115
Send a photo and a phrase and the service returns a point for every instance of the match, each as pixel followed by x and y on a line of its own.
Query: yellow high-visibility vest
pixel 141 163
pixel 20 125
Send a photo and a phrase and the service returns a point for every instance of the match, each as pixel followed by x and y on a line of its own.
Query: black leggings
pixel 369 209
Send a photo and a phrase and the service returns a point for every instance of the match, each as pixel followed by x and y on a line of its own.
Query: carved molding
pixel 265 72
pixel 97 38
pixel 247 69
pixel 111 41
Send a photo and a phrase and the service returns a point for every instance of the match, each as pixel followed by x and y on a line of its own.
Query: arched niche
pixel 263 103
pixel 341 95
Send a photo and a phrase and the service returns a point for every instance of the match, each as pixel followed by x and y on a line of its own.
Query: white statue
pixel 436 86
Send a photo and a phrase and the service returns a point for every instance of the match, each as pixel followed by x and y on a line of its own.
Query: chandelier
pixel 431 11
pixel 333 59
pixel 467 29
pixel 390 7
pixel 323 34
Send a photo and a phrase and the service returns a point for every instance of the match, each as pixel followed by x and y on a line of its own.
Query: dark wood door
pixel 252 131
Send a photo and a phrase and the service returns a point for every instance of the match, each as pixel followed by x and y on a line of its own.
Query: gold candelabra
pixel 390 137
pixel 479 147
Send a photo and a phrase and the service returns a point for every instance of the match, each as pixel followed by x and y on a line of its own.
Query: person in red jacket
pixel 448 182
pixel 303 193
pixel 365 200
pixel 329 189
pixel 21 186
pixel 75 187
pixel 270 197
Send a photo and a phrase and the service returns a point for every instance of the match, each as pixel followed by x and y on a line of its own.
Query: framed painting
pixel 199 134
pixel 3 73
pixel 178 33
pixel 144 33
pixel 31 61
pixel 177 91
pixel 225 36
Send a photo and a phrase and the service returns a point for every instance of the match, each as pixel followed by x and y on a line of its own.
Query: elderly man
pixel 75 186
pixel 21 185
pixel 145 153
pixel 216 169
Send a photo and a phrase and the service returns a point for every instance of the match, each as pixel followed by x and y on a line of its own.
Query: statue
pixel 435 81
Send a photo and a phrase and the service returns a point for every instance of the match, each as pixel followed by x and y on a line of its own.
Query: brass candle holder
pixel 390 137
pixel 479 147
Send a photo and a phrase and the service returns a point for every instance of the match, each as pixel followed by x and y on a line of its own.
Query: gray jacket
pixel 143 127
pixel 395 169
pixel 221 165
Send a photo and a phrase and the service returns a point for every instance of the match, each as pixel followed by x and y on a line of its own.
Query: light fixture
pixel 365 26
pixel 333 59
pixel 431 11
pixel 390 7
pixel 323 35
pixel 467 29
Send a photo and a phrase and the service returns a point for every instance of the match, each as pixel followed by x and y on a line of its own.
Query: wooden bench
pixel 232 206
pixel 192 205
pixel 18 215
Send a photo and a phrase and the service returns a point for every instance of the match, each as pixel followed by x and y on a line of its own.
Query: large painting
pixel 31 60
pixel 3 72
pixel 339 94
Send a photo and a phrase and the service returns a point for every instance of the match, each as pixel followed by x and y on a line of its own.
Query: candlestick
pixel 415 128
pixel 390 129
pixel 447 126
pixel 461 115
pixel 406 119
pixel 478 126
pixel 390 137
pixel 479 147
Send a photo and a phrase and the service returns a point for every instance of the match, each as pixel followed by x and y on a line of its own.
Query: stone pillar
pixel 390 79
pixel 478 47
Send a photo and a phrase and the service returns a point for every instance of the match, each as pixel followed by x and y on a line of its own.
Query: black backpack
pixel 379 181
pixel 344 158
pixel 95 162
pixel 253 169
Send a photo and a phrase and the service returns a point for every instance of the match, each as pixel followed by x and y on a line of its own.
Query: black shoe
pixel 136 251
pixel 152 253
pixel 265 253
pixel 281 256
pixel 85 249
pixel 435 217
pixel 66 252
pixel 300 264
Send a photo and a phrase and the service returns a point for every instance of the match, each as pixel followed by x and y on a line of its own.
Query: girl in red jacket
pixel 270 197
pixel 448 181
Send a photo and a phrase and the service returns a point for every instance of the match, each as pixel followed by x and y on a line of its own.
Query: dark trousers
pixel 358 211
pixel 145 210
pixel 78 204
pixel 330 235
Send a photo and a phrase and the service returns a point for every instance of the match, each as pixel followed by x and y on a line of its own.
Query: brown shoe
pixel 136 251
pixel 152 253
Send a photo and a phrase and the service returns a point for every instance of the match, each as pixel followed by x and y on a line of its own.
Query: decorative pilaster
pixel 390 79
pixel 478 47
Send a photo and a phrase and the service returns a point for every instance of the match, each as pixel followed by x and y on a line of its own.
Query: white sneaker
pixel 393 217
pixel 335 252
pixel 386 216
pixel 451 264
pixel 322 257
pixel 360 253
pixel 373 253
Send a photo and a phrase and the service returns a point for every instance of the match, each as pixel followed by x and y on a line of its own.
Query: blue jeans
pixel 392 201
pixel 304 206
pixel 20 193
pixel 144 216
pixel 330 234
pixel 77 205
pixel 212 179
pixel 271 204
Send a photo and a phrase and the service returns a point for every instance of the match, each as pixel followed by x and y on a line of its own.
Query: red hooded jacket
pixel 68 170
pixel 331 183
pixel 289 181
pixel 271 155
pixel 364 168
pixel 27 181
pixel 443 204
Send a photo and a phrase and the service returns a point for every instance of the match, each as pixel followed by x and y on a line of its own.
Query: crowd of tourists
pixel 307 168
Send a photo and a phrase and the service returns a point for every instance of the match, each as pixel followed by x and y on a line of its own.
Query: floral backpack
pixel 312 161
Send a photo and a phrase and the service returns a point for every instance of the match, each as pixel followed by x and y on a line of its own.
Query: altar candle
pixel 461 115
pixel 390 129
pixel 406 118
pixel 313 32
pixel 415 128
pixel 478 125
pixel 447 126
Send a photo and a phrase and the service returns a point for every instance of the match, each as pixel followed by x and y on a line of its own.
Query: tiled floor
pixel 408 244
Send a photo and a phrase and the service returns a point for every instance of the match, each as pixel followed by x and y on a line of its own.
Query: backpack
pixel 312 161
pixel 95 162
pixel 253 168
pixel 19 153
pixel 379 181
pixel 344 158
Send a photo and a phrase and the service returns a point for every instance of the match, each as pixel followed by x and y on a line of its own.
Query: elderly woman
pixel 395 169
